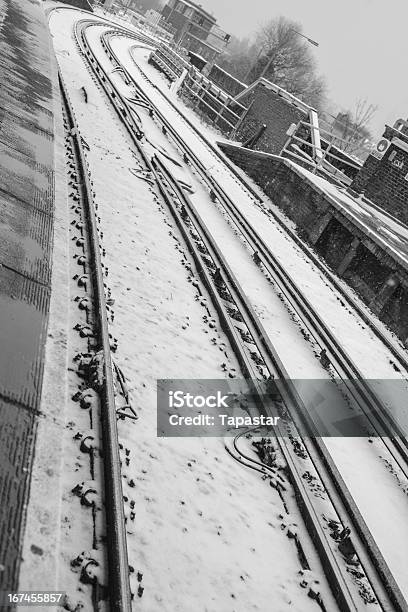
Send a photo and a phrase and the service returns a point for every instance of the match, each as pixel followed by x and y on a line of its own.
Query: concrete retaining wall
pixel 371 267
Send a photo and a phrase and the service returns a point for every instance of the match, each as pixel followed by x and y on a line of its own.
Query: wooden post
pixel 219 114
pixel 240 120
pixel 204 91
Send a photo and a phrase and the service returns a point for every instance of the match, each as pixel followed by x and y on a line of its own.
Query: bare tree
pixel 353 126
pixel 238 58
pixel 287 60
pixel 280 55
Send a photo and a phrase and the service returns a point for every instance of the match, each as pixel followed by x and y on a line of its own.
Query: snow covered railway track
pixel 367 581
pixel 359 390
pixel 370 581
pixel 105 564
pixel 383 422
pixel 394 348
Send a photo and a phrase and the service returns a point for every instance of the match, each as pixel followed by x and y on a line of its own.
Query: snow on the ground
pixel 368 454
pixel 145 355
pixel 206 535
pixel 156 339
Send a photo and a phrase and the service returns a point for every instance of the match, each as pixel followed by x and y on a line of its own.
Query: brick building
pixel 384 177
pixel 195 29
pixel 273 106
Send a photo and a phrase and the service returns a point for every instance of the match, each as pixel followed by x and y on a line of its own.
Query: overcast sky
pixel 363 45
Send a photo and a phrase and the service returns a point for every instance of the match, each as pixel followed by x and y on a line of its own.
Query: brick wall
pixel 269 108
pixel 383 180
pixel 364 176
pixel 334 242
pixel 388 187
pixel 225 80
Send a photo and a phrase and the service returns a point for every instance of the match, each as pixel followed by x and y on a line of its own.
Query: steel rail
pixel 118 577
pixel 383 422
pixel 378 415
pixel 387 587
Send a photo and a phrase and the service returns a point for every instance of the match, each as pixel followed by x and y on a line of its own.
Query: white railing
pixel 219 107
pixel 169 61
pixel 328 160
